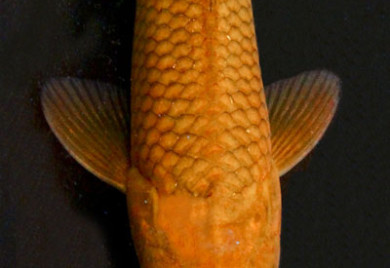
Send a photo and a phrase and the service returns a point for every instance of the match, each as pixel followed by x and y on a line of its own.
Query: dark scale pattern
pixel 335 211
pixel 199 118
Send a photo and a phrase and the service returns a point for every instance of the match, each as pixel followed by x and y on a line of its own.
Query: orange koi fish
pixel 200 147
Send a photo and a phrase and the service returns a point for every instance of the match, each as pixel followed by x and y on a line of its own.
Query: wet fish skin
pixel 201 139
pixel 201 178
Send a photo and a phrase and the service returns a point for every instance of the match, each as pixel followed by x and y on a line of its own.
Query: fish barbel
pixel 202 175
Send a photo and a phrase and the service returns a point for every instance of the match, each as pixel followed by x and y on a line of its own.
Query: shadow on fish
pixel 199 146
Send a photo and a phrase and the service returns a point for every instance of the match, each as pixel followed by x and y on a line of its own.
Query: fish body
pixel 202 173
pixel 201 136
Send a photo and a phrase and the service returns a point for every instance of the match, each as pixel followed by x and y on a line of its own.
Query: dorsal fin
pixel 300 110
pixel 91 120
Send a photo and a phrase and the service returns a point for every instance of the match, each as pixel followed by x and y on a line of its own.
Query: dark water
pixel 55 214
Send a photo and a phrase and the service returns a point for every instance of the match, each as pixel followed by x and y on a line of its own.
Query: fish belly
pixel 203 190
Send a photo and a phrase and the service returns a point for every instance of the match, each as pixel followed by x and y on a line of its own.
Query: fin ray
pixel 300 110
pixel 77 123
pixel 91 120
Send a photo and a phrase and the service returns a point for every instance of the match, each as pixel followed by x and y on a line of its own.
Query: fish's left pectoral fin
pixel 300 110
pixel 91 120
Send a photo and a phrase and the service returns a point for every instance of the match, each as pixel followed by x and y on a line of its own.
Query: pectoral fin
pixel 91 120
pixel 300 110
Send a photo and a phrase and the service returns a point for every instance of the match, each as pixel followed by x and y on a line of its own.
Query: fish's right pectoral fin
pixel 300 110
pixel 91 120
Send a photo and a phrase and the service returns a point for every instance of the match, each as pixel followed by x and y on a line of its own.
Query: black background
pixel 335 206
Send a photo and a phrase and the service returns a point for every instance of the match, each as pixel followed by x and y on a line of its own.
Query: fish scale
pixel 201 180
pixel 199 118
pixel 200 128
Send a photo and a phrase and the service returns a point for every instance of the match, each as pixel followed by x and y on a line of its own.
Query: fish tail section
pixel 300 110
pixel 91 120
